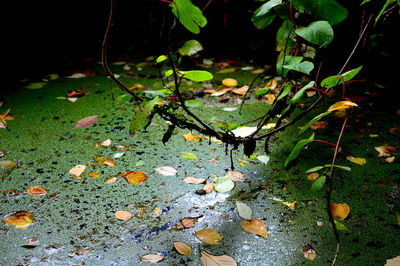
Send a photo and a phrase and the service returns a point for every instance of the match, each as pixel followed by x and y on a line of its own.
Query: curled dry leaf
pixel 75 93
pixel 77 170
pixel 389 159
pixel 36 191
pixel 255 226
pixel 110 162
pixel 106 143
pixel 111 180
pixel 209 236
pixel 342 105
pixel 135 178
pixel 189 137
pixel 182 248
pixel 151 258
pixel 208 187
pixel 193 180
pixel 357 160
pixel 211 260
pixel 312 176
pixel 229 82
pixel 123 215
pixel 8 164
pixel 340 211
pixel 166 170
pixel 393 262
pixel 20 220
pixel 309 252
pixel 236 176
pixel 385 150
pixel 189 222
pixel 87 121
pixel 242 90
pixel 31 243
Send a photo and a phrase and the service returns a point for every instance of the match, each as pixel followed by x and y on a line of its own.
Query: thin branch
pixel 247 92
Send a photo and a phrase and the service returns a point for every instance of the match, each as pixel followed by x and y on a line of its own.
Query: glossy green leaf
pixel 298 148
pixel 194 104
pixel 198 75
pixel 329 10
pixel 285 92
pixel 387 3
pixel 189 15
pixel 161 58
pixel 142 115
pixel 266 7
pixel 294 63
pixel 261 22
pixel 244 211
pixel 346 168
pixel 318 32
pixel 190 47
pixel 315 119
pixel 349 75
pixel 332 81
pixel 301 92
pixel 223 184
pixel 314 169
pixel 262 91
pixel 318 184
pixel 340 226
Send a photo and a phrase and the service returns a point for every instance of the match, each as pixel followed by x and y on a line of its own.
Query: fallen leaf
pixel 393 262
pixel 208 187
pixel 244 211
pixel 340 226
pixel 312 176
pixel 290 204
pixel 209 236
pixel 210 91
pixel 263 158
pixel 270 98
pixel 8 164
pixel 123 215
pixel 53 76
pixel 77 170
pixel 31 243
pixel 35 85
pixel 3 123
pixel 227 70
pixel 213 160
pixel 309 252
pixel 87 121
pixel 318 125
pixel 340 211
pixel 157 211
pixel 236 176
pixel 166 170
pixel 20 220
pixel 310 93
pixel 189 222
pixel 182 248
pixel 75 93
pixel 229 109
pixel 76 76
pixel 118 155
pixel 213 139
pixel 255 226
pixel 242 132
pixel 389 159
pixel 223 184
pixel 6 115
pixel 193 180
pixel 110 162
pixel 36 191
pixel 151 258
pixel 357 160
pixel 94 175
pixel 189 137
pixel 189 156
pixel 242 90
pixel 211 260
pixel 106 143
pixel 111 180
pixel 135 178
pixel 385 150
pixel 229 82
pixel 342 105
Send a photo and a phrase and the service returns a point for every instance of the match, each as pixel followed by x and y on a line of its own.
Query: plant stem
pixel 323 141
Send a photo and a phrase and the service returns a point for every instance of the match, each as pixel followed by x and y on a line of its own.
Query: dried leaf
pixel 342 105
pixel 312 176
pixel 31 243
pixel 393 262
pixel 255 226
pixel 208 187
pixel 75 93
pixel 110 162
pixel 182 248
pixel 123 215
pixel 106 143
pixel 389 159
pixel 20 220
pixel 166 170
pixel 213 139
pixel 385 150
pixel 242 90
pixel 258 71
pixel 189 222
pixel 244 211
pixel 77 170
pixel 36 191
pixel 340 211
pixel 189 137
pixel 318 125
pixel 209 236
pixel 357 160
pixel 290 204
pixel 135 178
pixel 8 164
pixel 94 175
pixel 193 180
pixel 309 252
pixel 211 260
pixel 151 258
pixel 112 180
pixel 243 131
pixel 87 121
pixel 229 82
pixel 236 176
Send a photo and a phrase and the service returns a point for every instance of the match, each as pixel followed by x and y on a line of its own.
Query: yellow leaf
pixel 385 150
pixel 342 105
pixel 135 178
pixel 229 82
pixel 211 260
pixel 340 211
pixel 390 159
pixel 255 226
pixel 8 164
pixel 157 211
pixel 189 137
pixel 94 175
pixel 112 180
pixel 208 187
pixel 151 258
pixel 209 236
pixel 270 98
pixel 213 139
pixel 189 222
pixel 20 220
pixel 357 160
pixel 123 215
pixel 312 176
pixel 193 180
pixel 290 204
pixel 110 162
pixel 36 191
pixel 182 248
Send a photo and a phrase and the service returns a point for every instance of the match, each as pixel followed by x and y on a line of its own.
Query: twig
pixel 250 87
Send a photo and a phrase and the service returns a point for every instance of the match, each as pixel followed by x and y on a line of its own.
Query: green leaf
pixel 189 15
pixel 329 10
pixel 285 92
pixel 294 63
pixel 298 148
pixel 332 81
pixel 189 156
pixel 350 74
pixel 346 168
pixel 161 58
pixel 314 169
pixel 388 2
pixel 262 91
pixel 340 226
pixel 265 8
pixel 318 32
pixel 304 67
pixel 244 211
pixel 284 30
pixel 301 92
pixel 223 184
pixel 263 158
pixel 35 85
pixel 198 75
pixel 318 184
pixel 315 119
pixel 142 115
pixel 194 104
pixel 261 22
pixel 124 98
pixel 190 47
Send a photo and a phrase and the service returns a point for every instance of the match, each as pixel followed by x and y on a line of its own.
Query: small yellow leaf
pixel 209 236
pixel 8 164
pixel 213 139
pixel 389 159
pixel 340 211
pixel 255 226
pixel 123 215
pixel 357 160
pixel 94 175
pixel 20 220
pixel 110 162
pixel 229 82
pixel 151 258
pixel 270 98
pixel 135 178
pixel 77 170
pixel 189 137
pixel 193 180
pixel 36 191
pixel 157 211
pixel 182 248
pixel 342 105
pixel 310 93
pixel 312 176
pixel 236 176
pixel 208 187
pixel 211 260
pixel 290 204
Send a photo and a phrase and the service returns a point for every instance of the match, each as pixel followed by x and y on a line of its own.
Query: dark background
pixel 45 36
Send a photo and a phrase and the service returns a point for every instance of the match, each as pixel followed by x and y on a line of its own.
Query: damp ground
pixel 74 222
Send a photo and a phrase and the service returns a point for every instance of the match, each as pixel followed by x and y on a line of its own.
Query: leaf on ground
pixel 75 93
pixel 166 170
pixel 87 121
pixel 35 85
pixel 110 162
pixel 135 178
pixel 242 90
pixel 340 226
pixel 77 76
pixel 390 159
pixel 318 125
pixel 340 211
pixel 385 150
pixel 151 258
pixel 312 176
pixel 243 131
pixel 244 211
pixel 106 143
pixel 357 160
pixel 193 180
pixel 211 260
pixel 255 226
pixel 36 191
pixel 342 105
pixel 111 180
pixel 30 243
pixel 309 252
pixel 189 222
pixel 189 137
pixel 94 175
pixel 182 248
pixel 209 236
pixel 229 82
pixel 393 262
pixel 20 220
pixel 8 164
pixel 123 215
pixel 208 187
pixel 213 139
pixel 263 158
pixel 291 205
pixel 223 184
pixel 77 170
pixel 236 176
pixel 189 156
pixel 226 70
pixel 194 104
pixel 229 109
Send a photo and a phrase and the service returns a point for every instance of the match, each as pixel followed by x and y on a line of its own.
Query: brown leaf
pixel 31 243
pixel 312 176
pixel 151 258
pixel 182 248
pixel 20 220
pixel 189 222
pixel 193 180
pixel 77 170
pixel 189 137
pixel 36 191
pixel 236 176
pixel 242 90
pixel 87 121
pixel 8 164
pixel 135 178
pixel 111 180
pixel 340 211
pixel 385 150
pixel 209 236
pixel 110 162
pixel 75 93
pixel 393 262
pixel 166 171
pixel 123 215
pixel 318 125
pixel 255 226
pixel 211 260
pixel 309 252
pixel 208 187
